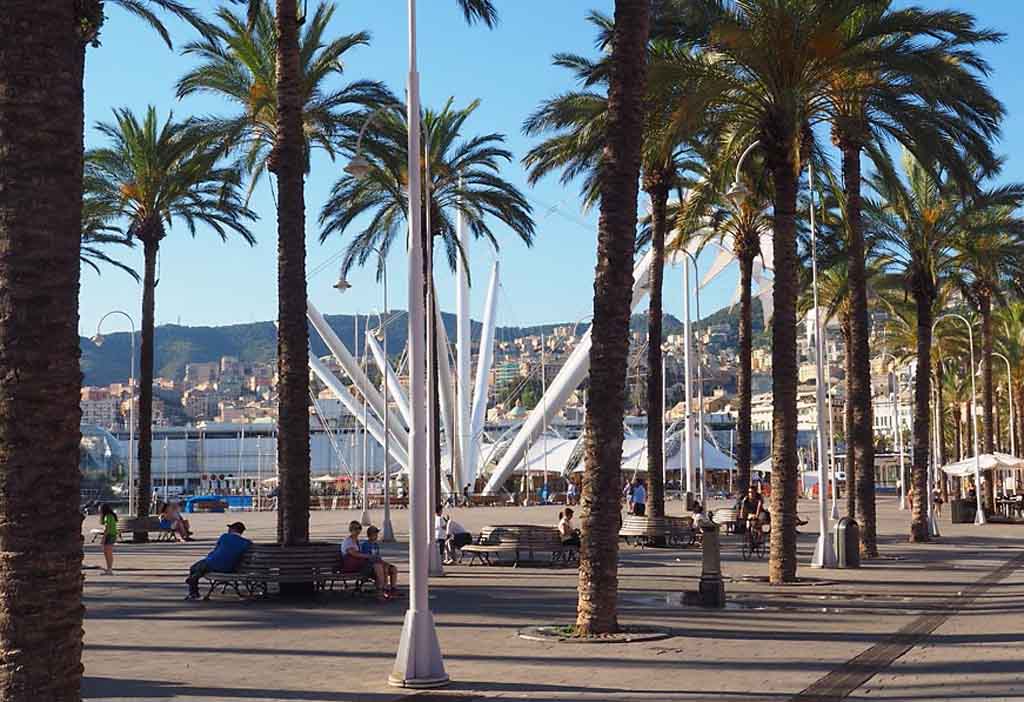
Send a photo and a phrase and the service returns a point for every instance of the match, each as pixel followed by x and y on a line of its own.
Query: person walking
pixel 639 498
pixel 108 520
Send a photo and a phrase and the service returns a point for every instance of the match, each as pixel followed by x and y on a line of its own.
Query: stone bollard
pixel 711 590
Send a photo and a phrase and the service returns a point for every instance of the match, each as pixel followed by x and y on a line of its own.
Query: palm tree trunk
pixel 144 477
pixel 782 562
pixel 985 308
pixel 597 610
pixel 743 378
pixel 859 381
pixel 41 124
pixel 288 164
pixel 658 192
pixel 922 420
pixel 851 474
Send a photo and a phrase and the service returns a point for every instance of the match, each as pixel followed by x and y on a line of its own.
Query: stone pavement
pixel 940 621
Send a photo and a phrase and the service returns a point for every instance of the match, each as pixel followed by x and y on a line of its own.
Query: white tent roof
pixel 764 466
pixel 986 461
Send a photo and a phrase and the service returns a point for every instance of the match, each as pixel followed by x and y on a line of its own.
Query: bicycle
pixel 753 540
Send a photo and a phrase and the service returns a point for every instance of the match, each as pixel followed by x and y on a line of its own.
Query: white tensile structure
pixel 464 408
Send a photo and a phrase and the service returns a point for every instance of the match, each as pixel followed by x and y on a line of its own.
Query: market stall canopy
pixel 985 462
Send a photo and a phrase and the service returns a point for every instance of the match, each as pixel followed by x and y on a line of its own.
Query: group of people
pixel 363 558
pixel 171 518
pixel 635 492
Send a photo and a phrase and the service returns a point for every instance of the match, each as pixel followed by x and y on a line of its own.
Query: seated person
pixel 568 533
pixel 701 520
pixel 180 516
pixel 171 519
pixel 223 558
pixel 455 537
pixel 440 530
pixel 353 560
pixel 371 548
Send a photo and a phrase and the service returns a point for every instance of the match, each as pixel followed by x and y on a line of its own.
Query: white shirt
pixel 440 528
pixel 565 528
pixel 454 528
pixel 348 544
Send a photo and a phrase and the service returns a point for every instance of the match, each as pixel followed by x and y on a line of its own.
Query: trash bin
pixel 847 543
pixel 963 511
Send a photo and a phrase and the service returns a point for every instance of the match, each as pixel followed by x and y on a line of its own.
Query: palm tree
pixel 278 68
pixel 159 174
pixel 41 144
pixel 927 95
pixel 1009 341
pixel 618 176
pixel 464 178
pixel 984 262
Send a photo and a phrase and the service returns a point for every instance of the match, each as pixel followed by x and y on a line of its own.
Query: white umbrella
pixel 986 461
pixel 325 479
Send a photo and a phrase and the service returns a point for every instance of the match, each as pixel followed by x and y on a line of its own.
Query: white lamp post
pixel 688 333
pixel 1009 395
pixel 98 340
pixel 418 662
pixel 824 553
pixel 980 513
pixel 894 396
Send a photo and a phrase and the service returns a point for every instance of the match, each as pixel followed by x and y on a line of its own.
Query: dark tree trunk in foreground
pixel 985 307
pixel 597 611
pixel 288 165
pixel 658 191
pixel 743 378
pixel 144 477
pixel 922 420
pixel 851 474
pixel 782 562
pixel 859 382
pixel 41 120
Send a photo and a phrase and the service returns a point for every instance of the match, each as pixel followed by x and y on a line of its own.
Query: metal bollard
pixel 712 588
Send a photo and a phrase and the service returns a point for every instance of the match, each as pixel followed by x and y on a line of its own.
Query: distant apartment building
pixel 99 407
pixel 200 404
pixel 200 373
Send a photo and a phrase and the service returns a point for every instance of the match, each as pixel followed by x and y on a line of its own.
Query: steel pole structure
pixel 894 395
pixel 1009 395
pixel 979 517
pixel 933 523
pixel 365 517
pixel 831 437
pixel 463 349
pixel 664 412
pixel 418 662
pixel 688 388
pixel 98 340
pixel 387 530
pixel 824 555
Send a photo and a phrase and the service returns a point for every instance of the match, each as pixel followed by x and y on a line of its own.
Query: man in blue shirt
pixel 223 558
pixel 639 498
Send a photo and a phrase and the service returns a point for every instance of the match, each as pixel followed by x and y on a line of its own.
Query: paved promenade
pixel 941 621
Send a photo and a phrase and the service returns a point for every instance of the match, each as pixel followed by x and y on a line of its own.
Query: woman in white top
pixel 568 533
pixel 355 561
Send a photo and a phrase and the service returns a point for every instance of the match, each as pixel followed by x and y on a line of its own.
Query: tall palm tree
pixel 1009 341
pixel 618 184
pixel 159 174
pixel 464 178
pixel 575 123
pixel 985 261
pixel 917 79
pixel 279 68
pixel 775 92
pixel 42 68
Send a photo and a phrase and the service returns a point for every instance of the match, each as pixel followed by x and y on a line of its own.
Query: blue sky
pixel 206 282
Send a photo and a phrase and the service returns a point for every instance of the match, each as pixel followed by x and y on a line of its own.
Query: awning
pixel 984 462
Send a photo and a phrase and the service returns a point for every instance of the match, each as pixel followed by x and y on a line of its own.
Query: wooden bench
pixel 645 531
pixel 126 526
pixel 523 541
pixel 263 564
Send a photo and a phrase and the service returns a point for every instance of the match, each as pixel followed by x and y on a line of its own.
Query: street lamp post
pixel 418 662
pixel 98 340
pixel 688 333
pixel 979 517
pixel 1009 395
pixel 894 396
pixel 824 554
